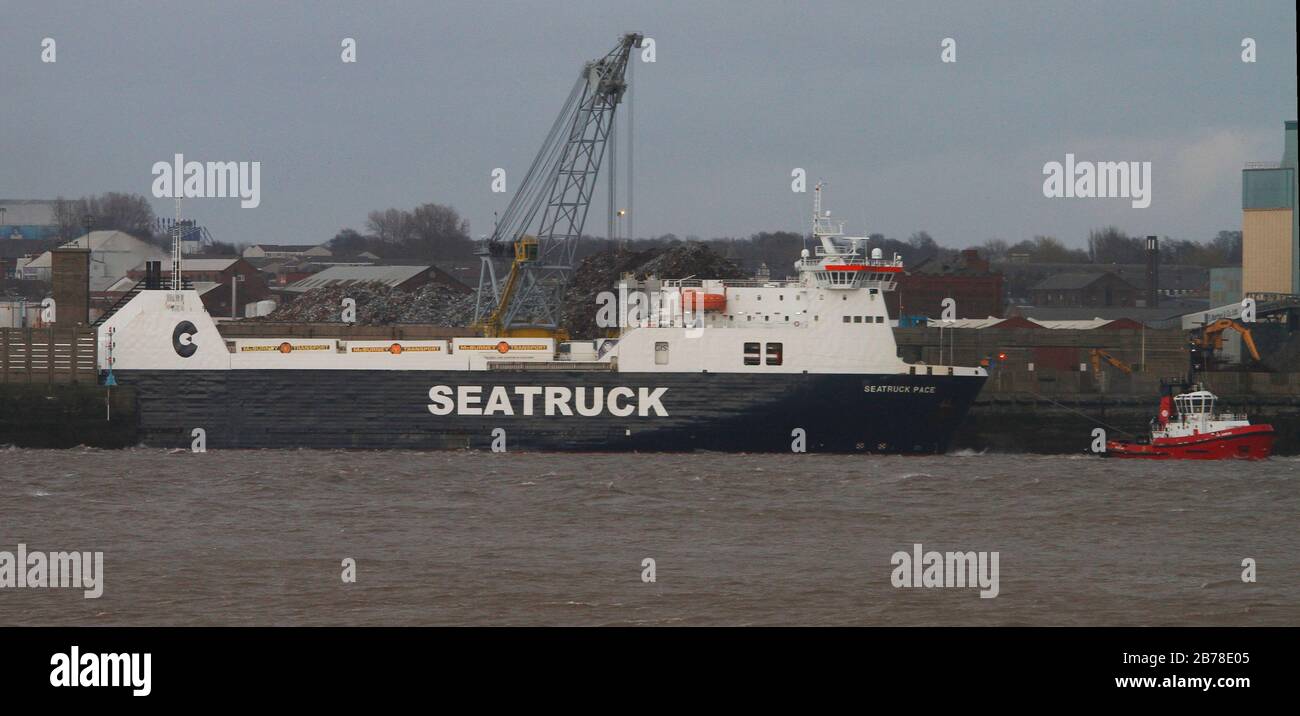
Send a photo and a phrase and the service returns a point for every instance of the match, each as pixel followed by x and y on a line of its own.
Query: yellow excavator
pixel 494 323
pixel 1212 336
pixel 1099 355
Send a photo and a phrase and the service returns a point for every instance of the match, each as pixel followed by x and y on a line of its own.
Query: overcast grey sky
pixel 853 92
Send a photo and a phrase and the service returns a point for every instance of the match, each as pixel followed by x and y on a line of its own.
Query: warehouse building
pixel 1269 233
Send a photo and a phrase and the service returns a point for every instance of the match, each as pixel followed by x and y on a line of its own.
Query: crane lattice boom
pixel 554 196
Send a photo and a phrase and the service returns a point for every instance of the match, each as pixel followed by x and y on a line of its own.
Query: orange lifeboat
pixel 695 299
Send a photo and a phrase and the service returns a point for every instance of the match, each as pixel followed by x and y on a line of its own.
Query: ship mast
pixel 176 248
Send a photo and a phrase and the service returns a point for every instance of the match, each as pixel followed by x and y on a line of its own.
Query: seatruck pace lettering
pixel 548 400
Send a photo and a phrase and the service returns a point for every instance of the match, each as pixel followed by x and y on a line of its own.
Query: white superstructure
pixel 1194 415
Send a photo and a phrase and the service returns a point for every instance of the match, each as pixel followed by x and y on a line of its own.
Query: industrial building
pixel 112 255
pixel 1225 286
pixel 406 278
pixel 976 290
pixel 28 219
pixel 1077 290
pixel 1269 234
pixel 212 278
pixel 287 251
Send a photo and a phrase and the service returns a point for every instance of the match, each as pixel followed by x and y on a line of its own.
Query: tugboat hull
pixel 1249 442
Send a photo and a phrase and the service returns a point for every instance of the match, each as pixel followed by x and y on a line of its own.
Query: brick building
pixel 1078 290
pixel 977 290
pixel 211 277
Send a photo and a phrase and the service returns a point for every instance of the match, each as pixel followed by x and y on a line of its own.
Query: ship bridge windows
pixel 760 354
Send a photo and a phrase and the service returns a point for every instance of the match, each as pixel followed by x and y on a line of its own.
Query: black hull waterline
pixel 373 409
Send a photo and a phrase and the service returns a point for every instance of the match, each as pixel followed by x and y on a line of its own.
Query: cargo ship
pixel 1188 428
pixel 801 364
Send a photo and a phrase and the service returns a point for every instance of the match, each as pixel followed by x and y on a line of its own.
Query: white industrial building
pixel 112 255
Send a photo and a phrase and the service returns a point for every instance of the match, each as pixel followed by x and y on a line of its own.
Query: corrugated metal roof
pixel 344 275
pixel 1081 325
pixel 992 322
pixel 1067 281
pixel 285 247
pixel 99 241
pixel 220 264
pixel 966 322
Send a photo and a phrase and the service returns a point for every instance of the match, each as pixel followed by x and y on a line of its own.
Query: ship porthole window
pixel 775 352
pixel 847 319
pixel 857 319
pixel 752 354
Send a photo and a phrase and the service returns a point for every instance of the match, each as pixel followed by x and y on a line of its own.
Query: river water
pixel 259 537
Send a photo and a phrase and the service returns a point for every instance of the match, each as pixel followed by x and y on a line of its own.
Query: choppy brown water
pixel 257 537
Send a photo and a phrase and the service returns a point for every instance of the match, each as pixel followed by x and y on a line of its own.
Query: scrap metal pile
pixel 438 305
pixel 380 305
pixel 601 272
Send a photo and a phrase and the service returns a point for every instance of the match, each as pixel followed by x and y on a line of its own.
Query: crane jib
pixel 553 200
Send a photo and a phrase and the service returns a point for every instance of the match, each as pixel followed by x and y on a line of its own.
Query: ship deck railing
pixel 730 283
pixel 552 366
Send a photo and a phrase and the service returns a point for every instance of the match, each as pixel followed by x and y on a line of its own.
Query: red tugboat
pixel 1189 429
